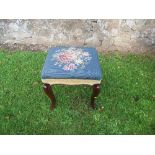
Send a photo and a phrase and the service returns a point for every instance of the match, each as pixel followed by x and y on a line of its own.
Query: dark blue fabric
pixel 88 68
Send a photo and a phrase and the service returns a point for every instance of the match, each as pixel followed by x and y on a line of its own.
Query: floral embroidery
pixel 70 67
pixel 71 58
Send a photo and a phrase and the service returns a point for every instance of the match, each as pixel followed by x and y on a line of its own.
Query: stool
pixel 71 66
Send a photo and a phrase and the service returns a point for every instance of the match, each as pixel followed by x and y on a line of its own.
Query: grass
pixel 126 103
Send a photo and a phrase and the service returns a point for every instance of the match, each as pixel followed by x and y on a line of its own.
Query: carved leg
pixel 49 93
pixel 96 91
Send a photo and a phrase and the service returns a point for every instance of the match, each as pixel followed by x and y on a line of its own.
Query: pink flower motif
pixel 65 57
pixel 71 59
pixel 70 67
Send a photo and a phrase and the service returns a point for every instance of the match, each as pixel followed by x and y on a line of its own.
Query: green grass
pixel 126 103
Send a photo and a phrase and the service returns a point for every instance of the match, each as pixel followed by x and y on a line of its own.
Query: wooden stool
pixel 71 66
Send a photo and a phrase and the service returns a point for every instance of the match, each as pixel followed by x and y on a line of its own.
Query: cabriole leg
pixel 96 91
pixel 50 94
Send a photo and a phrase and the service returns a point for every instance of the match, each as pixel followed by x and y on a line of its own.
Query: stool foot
pixel 96 91
pixel 48 90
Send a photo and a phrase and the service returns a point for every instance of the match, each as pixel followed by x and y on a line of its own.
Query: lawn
pixel 126 104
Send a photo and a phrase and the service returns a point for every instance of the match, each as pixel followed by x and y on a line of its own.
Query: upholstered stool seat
pixel 71 66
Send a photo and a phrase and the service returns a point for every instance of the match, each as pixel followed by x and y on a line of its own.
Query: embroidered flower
pixel 70 67
pixel 85 54
pixel 71 58
pixel 64 57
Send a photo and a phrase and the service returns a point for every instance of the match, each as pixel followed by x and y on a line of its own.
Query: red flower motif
pixel 65 57
pixel 71 59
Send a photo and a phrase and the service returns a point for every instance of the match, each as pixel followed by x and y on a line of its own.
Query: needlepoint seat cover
pixel 72 65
